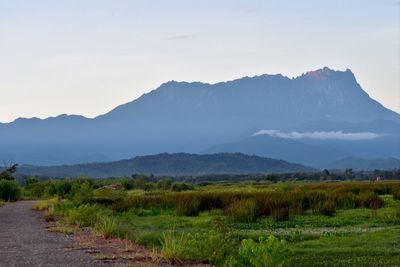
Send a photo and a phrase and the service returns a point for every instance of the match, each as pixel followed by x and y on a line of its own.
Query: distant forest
pixel 324 175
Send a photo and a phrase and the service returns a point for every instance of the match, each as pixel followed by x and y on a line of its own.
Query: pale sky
pixel 88 56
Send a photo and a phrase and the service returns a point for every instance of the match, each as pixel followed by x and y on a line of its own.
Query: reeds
pixel 249 206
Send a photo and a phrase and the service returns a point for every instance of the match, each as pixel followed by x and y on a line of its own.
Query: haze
pixel 86 57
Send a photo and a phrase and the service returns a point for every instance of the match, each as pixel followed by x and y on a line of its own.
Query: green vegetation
pixel 238 224
pixel 9 188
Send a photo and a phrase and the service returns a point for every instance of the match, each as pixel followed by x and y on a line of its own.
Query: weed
pixel 172 247
pixel 268 252
pixel 106 225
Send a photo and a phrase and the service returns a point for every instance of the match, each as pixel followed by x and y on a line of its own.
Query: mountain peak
pixel 326 74
pixel 321 74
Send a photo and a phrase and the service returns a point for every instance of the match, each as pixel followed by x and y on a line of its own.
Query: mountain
pixel 170 164
pixel 366 164
pixel 280 148
pixel 192 117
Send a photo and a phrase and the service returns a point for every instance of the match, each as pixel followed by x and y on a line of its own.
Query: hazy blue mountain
pixel 366 164
pixel 280 148
pixel 170 164
pixel 191 117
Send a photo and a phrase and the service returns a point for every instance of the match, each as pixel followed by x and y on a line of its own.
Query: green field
pixel 320 223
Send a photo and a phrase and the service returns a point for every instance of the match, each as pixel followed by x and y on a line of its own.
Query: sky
pixel 88 56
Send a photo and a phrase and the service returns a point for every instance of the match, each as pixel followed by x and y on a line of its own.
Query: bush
pixel 179 187
pixel 108 195
pixel 82 192
pixel 214 246
pixel 243 211
pixel 164 184
pixel 9 190
pixel 268 252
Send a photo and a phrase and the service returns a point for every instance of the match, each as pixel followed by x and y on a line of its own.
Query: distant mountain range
pixel 366 164
pixel 315 119
pixel 178 164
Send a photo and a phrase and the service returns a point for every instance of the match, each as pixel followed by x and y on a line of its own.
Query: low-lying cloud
pixel 321 135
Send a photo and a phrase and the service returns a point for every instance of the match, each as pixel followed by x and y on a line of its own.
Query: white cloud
pixel 322 135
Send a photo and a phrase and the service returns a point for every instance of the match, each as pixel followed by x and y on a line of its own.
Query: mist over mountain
pixel 200 117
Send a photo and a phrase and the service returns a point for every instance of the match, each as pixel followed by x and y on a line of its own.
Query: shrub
pixel 268 252
pixel 9 190
pixel 164 184
pixel 243 211
pixel 172 247
pixel 63 207
pixel 214 246
pixel 82 192
pixel 179 187
pixel 107 195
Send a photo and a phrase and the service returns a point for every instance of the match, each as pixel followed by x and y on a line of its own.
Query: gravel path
pixel 24 241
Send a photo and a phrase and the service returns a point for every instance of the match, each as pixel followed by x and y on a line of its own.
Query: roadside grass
pixel 106 225
pixel 148 230
pixel 46 204
pixel 2 202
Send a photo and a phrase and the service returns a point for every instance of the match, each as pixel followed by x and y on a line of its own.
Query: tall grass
pixel 249 206
pixel 243 211
pixel 173 247
pixel 84 216
pixel 106 225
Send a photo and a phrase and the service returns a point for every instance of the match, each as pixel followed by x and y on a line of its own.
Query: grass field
pixel 338 224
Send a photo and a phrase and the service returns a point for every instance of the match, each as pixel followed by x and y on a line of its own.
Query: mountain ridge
pixel 191 117
pixel 314 73
pixel 175 164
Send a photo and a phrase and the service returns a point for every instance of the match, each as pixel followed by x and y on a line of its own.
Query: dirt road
pixel 24 241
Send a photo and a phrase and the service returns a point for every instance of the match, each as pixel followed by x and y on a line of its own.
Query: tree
pixel 325 174
pixel 349 174
pixel 7 174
